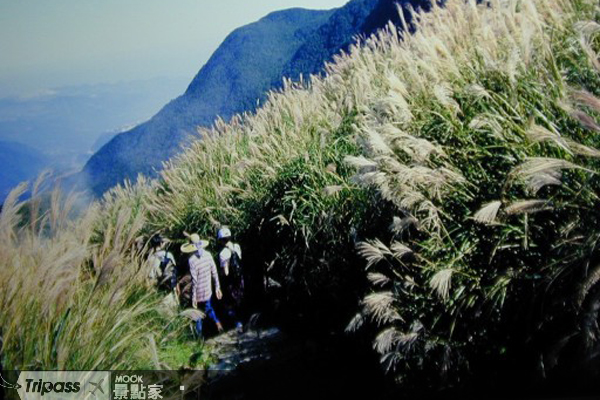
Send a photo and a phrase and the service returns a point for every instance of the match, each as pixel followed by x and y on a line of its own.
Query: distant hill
pixel 74 116
pixel 19 163
pixel 251 61
pixel 63 123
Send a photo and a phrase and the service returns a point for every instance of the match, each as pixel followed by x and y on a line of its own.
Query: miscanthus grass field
pixel 455 169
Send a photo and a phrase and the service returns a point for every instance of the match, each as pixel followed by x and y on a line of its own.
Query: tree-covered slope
pixel 336 34
pixel 358 19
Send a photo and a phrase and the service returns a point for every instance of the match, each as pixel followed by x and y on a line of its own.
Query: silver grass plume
pixel 533 167
pixel 441 281
pixel 540 134
pixel 488 213
pixel 528 207
pixel 585 98
pixel 192 314
pixel 355 323
pixel 488 123
pixel 400 225
pixel 378 279
pixel 332 190
pixel 444 95
pixel 582 150
pixel 400 250
pixel 537 181
pixel 477 91
pixel 379 306
pixel 587 28
pixel 386 340
pixel 360 162
pixel 373 251
pixel 592 279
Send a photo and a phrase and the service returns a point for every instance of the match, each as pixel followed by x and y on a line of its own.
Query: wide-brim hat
pixel 193 247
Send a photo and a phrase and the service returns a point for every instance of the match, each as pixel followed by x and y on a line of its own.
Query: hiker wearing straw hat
pixel 203 271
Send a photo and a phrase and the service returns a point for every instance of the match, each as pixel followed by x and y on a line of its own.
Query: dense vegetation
pixel 459 165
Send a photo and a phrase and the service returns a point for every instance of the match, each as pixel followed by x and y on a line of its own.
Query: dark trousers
pixel 209 311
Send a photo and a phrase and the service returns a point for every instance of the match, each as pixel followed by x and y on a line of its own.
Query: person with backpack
pixel 230 260
pixel 163 268
pixel 203 271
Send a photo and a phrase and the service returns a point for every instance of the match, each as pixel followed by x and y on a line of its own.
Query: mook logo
pixel 64 385
pixel 129 379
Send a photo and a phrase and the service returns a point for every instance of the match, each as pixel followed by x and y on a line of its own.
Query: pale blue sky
pixel 52 43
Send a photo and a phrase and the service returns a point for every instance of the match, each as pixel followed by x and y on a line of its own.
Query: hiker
pixel 203 271
pixel 230 257
pixel 163 269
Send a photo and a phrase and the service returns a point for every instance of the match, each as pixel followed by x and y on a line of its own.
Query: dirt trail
pixel 244 363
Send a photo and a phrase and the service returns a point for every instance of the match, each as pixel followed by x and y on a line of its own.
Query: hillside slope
pixel 459 166
pixel 437 192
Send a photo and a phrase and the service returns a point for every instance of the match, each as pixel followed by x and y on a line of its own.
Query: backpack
pixel 235 280
pixel 164 263
pixel 167 271
pixel 235 265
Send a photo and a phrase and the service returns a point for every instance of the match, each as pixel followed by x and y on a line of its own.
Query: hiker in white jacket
pixel 162 265
pixel 232 277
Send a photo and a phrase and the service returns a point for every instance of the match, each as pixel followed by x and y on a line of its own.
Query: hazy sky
pixel 51 43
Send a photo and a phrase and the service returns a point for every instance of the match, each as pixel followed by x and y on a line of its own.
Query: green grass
pixel 184 353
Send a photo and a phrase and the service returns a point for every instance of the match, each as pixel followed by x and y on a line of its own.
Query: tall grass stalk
pixel 67 302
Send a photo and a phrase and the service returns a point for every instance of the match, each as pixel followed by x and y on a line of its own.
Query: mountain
pixel 337 34
pixel 19 163
pixel 251 61
pixel 357 18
